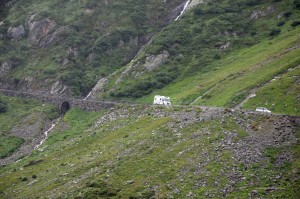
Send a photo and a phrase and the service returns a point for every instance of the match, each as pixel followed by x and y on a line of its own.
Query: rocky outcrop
pixel 100 85
pixel 262 13
pixel 225 46
pixel 152 61
pixel 16 33
pixel 194 3
pixel 7 66
pixel 44 32
pixel 58 88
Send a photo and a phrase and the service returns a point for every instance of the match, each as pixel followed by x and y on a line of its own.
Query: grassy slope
pixel 280 95
pixel 237 74
pixel 17 110
pixel 200 78
pixel 147 152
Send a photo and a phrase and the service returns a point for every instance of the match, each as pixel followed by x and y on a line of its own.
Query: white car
pixel 262 109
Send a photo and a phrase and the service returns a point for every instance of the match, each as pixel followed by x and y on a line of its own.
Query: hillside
pixel 217 55
pixel 64 47
pixel 217 60
pixel 158 152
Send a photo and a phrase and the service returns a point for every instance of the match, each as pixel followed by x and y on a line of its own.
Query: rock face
pixel 100 85
pixel 44 32
pixel 225 46
pixel 16 33
pixel 194 3
pixel 5 67
pixel 58 88
pixel 152 61
pixel 262 13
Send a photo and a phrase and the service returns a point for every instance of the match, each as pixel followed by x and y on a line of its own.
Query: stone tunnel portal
pixel 65 106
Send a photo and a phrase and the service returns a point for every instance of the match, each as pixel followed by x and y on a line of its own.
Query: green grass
pixel 197 72
pixel 9 144
pixel 17 111
pixel 280 95
pixel 140 154
pixel 238 72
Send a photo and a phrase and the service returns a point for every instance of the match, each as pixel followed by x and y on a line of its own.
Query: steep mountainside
pixel 64 47
pixel 214 58
pixel 217 54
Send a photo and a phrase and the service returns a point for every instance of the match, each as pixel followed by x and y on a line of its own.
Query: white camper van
pixel 162 100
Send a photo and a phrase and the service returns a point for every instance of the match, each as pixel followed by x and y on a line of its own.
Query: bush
pixel 297 3
pixel 275 32
pixel 3 106
pixel 287 14
pixel 198 11
pixel 280 23
pixel 24 179
pixel 295 23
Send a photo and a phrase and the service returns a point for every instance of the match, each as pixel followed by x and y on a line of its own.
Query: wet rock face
pixel 16 33
pixel 44 32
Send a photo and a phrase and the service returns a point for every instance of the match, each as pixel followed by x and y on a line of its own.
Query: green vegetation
pixel 3 106
pixel 17 110
pixel 9 144
pixel 280 95
pixel 218 53
pixel 201 71
pixel 98 38
pixel 142 152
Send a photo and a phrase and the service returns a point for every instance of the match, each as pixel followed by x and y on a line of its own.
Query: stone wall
pixel 88 105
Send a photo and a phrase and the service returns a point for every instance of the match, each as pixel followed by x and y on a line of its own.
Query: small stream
pixel 184 8
pixel 47 132
pixel 148 43
pixel 88 95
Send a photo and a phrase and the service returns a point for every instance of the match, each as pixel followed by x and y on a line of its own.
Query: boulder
pixel 16 33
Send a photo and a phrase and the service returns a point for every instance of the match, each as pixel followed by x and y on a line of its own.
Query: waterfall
pixel 46 133
pixel 88 96
pixel 184 8
pixel 142 48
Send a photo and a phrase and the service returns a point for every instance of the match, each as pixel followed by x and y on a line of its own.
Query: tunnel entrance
pixel 65 106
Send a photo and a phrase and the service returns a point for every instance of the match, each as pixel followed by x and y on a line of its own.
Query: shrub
pixel 24 179
pixel 287 14
pixel 3 106
pixel 295 23
pixel 198 11
pixel 297 3
pixel 280 23
pixel 274 32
